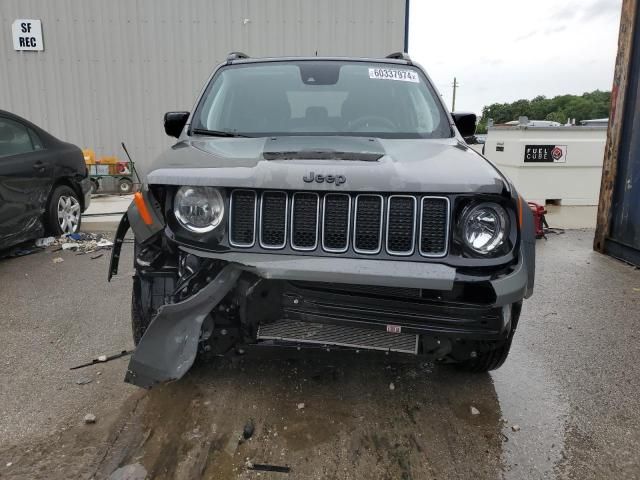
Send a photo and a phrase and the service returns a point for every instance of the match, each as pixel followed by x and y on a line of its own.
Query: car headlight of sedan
pixel 484 227
pixel 199 209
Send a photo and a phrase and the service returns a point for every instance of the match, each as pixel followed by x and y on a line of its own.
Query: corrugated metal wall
pixel 624 235
pixel 111 68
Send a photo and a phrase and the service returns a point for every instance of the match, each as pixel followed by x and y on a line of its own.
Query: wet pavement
pixel 565 405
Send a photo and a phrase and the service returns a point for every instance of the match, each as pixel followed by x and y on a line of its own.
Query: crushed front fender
pixel 168 347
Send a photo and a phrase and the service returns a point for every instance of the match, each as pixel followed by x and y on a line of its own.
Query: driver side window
pixel 14 138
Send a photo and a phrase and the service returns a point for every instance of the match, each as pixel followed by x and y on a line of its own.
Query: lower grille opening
pixel 361 290
pixel 343 336
pixel 480 293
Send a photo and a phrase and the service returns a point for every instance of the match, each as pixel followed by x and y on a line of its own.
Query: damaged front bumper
pixel 508 288
pixel 169 346
pixel 261 289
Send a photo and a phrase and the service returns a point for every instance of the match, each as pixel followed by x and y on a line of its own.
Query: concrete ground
pixel 105 211
pixel 565 404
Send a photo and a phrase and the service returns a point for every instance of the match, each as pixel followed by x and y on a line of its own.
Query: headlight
pixel 199 209
pixel 484 227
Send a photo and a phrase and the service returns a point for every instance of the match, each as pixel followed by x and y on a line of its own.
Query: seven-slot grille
pixel 335 222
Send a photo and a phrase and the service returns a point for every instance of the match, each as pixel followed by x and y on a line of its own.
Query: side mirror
pixel 465 123
pixel 174 122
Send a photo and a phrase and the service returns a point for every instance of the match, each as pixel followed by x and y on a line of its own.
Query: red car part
pixel 538 218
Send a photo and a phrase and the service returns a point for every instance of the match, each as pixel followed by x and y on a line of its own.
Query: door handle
pixel 39 165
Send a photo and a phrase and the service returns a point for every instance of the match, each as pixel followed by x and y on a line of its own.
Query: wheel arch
pixel 73 185
pixel 46 219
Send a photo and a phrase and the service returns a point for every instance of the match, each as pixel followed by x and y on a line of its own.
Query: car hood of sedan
pixel 365 164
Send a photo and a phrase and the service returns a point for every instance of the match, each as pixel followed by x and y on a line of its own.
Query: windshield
pixel 321 98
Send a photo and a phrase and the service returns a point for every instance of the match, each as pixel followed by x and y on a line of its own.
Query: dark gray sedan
pixel 44 183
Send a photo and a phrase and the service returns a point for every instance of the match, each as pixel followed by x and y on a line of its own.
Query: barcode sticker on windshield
pixel 394 74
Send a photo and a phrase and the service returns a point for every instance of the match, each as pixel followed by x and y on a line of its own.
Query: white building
pixel 108 70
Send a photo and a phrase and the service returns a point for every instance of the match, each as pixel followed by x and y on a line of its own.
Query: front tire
pixel 64 213
pixel 492 359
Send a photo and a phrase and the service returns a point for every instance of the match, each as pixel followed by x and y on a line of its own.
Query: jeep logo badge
pixel 337 179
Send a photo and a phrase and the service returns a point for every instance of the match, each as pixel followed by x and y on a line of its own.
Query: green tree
pixel 558 109
pixel 559 117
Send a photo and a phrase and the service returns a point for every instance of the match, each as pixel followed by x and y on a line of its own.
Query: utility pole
pixel 455 87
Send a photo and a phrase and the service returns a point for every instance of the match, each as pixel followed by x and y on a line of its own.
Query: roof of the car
pixel 41 131
pixel 18 118
pixel 395 61
pixel 5 113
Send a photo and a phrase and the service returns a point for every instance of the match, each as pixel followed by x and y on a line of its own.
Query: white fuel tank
pixel 550 165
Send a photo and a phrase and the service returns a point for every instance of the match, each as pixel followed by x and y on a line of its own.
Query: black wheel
pixel 125 186
pixel 492 359
pixel 64 214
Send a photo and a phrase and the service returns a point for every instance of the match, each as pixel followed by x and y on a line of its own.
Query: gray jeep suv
pixel 326 203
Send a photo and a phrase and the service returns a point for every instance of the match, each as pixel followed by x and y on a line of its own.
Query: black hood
pixel 372 165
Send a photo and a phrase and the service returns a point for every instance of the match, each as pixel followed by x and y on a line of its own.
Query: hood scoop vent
pixel 322 155
pixel 323 148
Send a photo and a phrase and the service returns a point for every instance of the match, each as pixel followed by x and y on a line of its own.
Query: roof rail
pixel 236 56
pixel 399 56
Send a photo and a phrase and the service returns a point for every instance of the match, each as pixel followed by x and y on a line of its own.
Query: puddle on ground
pixel 530 399
pixel 352 424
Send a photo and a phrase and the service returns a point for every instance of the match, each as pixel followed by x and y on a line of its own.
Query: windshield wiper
pixel 218 133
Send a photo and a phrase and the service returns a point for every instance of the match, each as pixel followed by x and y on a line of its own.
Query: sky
pixel 505 50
